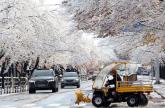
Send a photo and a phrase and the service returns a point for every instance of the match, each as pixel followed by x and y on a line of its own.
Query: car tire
pixel 98 101
pixel 53 90
pixel 132 101
pixel 78 86
pixel 31 91
pixel 57 89
pixel 62 86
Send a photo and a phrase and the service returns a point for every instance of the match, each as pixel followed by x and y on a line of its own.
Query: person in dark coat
pixel 69 69
pixel 116 77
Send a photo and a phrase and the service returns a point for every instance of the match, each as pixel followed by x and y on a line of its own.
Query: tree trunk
pixel 2 54
pixel 157 71
pixel 36 64
pixel 2 74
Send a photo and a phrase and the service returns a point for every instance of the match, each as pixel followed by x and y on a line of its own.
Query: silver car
pixel 70 79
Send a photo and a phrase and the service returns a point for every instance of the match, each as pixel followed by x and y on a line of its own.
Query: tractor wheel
pixel 98 101
pixel 106 104
pixel 132 101
pixel 143 100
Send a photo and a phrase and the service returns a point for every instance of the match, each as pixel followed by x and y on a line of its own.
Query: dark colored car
pixel 43 80
pixel 142 71
pixel 70 79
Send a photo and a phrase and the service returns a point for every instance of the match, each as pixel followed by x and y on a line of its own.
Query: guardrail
pixel 13 85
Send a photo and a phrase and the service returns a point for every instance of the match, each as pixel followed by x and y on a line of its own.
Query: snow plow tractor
pixel 115 84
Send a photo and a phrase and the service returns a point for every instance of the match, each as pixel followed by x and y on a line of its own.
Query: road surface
pixel 65 98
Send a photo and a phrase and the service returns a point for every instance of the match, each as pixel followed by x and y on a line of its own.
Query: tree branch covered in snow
pixel 31 29
pixel 130 25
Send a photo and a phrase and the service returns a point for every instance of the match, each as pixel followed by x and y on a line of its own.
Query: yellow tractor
pixel 129 89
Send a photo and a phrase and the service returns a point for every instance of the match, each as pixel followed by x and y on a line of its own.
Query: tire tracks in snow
pixel 82 88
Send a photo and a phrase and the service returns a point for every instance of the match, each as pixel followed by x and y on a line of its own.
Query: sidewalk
pixel 160 88
pixel 9 92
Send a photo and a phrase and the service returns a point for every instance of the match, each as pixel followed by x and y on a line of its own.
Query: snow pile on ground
pixel 160 88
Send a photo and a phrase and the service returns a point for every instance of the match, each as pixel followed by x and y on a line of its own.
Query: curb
pixel 10 94
pixel 162 96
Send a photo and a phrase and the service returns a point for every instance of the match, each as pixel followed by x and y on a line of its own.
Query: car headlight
pixel 77 79
pixel 51 80
pixel 31 81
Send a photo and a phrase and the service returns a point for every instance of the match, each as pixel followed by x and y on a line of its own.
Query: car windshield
pixel 37 73
pixel 70 74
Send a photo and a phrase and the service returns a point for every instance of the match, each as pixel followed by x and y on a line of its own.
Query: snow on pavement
pixel 65 98
pixel 160 88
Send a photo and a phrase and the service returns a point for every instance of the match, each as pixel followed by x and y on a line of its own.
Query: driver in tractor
pixel 110 81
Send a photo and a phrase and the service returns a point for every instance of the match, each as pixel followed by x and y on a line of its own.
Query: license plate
pixel 41 85
pixel 70 80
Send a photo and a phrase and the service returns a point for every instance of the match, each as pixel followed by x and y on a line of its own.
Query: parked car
pixel 142 71
pixel 92 77
pixel 43 80
pixel 70 79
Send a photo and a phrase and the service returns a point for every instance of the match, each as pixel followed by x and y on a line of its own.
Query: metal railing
pixel 162 70
pixel 83 77
pixel 13 85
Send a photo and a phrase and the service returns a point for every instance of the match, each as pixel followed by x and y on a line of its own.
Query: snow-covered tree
pixel 131 25
pixel 33 28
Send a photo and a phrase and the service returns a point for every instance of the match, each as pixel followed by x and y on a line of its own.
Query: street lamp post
pixel 157 71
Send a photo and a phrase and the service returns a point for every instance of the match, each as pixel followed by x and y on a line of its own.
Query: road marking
pixel 37 107
pixel 11 107
pixel 64 107
pixel 7 106
pixel 54 105
pixel 29 105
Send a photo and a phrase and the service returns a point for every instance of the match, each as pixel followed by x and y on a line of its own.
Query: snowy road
pixel 65 98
